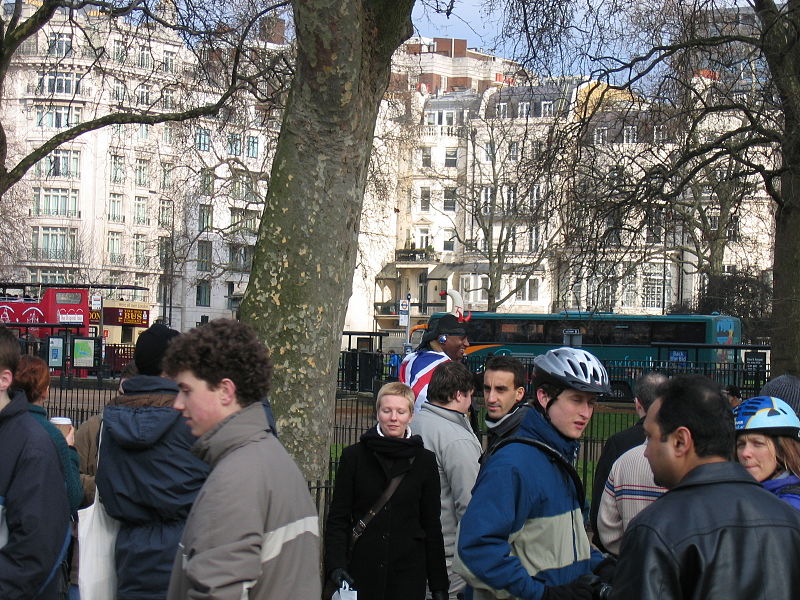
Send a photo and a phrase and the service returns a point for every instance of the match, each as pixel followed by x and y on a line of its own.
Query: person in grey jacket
pixel 253 531
pixel 443 425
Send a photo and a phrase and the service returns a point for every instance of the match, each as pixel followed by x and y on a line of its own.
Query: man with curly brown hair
pixel 253 530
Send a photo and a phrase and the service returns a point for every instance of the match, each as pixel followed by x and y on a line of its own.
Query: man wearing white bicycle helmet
pixel 522 535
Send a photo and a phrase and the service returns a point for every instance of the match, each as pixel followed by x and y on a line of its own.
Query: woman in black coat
pixel 401 548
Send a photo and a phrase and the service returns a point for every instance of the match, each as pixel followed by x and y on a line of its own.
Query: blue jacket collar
pixel 535 426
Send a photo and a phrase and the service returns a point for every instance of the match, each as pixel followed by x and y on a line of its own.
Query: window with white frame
pixel 203 297
pixel 59 163
pixel 423 237
pixel 513 151
pixel 204 259
pixel 52 275
pixel 474 287
pixel 527 289
pixel 57 117
pixel 234 144
pixel 502 110
pixel 656 285
pixel 449 241
pixel 115 208
pixel 489 151
pixel 252 146
pixel 140 250
pixel 424 199
pixel 118 91
pixel 60 44
pixel 114 248
pixel 488 195
pixel 629 288
pixel 140 210
pixel 143 94
pixel 630 134
pixel 510 198
pixel 547 108
pixel 168 66
pixel 449 200
pixel 425 156
pixel 145 57
pixel 59 82
pixel 54 243
pixel 164 213
pixel 144 131
pixel 119 51
pixel 142 172
pixel 202 138
pixel 451 157
pixel 140 280
pixel 659 134
pixel 524 110
pixel 534 238
pixel 55 201
pixel 600 136
pixel 167 170
pixel 116 168
pixel 205 217
pixel 168 98
pixel 207 181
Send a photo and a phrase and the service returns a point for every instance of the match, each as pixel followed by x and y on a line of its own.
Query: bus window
pixel 68 298
pixel 692 332
pixel 482 331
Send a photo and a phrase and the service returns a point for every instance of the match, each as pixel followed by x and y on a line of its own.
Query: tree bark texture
pixel 305 255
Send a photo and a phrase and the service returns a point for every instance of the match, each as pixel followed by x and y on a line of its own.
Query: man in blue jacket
pixel 34 512
pixel 523 534
pixel 147 476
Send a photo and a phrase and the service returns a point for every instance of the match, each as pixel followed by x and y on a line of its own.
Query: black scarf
pixel 394 454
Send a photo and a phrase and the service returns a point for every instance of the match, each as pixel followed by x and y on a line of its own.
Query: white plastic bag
pixel 343 593
pixel 97 535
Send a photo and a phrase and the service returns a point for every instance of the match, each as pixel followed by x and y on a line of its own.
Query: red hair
pixel 32 377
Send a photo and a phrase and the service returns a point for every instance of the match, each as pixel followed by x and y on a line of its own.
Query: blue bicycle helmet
pixel 768 415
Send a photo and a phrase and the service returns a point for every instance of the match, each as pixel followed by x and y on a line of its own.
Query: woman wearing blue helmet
pixel 768 445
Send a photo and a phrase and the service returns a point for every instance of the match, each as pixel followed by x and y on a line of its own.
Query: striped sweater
pixel 629 489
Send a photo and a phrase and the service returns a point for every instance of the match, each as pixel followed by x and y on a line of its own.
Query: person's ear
pixel 682 442
pixel 542 398
pixel 520 393
pixel 228 391
pixel 6 379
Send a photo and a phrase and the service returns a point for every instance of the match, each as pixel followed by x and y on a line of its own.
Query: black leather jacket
pixel 716 535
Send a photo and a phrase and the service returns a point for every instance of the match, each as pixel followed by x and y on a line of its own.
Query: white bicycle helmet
pixel 574 368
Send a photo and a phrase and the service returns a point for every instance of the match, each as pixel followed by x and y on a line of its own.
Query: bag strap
pixel 376 508
pixel 554 455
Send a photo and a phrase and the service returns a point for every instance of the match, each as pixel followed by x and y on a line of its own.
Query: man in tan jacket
pixel 253 530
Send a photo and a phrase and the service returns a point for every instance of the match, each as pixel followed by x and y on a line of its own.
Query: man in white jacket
pixel 445 430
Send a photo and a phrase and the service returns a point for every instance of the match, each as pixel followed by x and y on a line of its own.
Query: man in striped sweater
pixel 629 490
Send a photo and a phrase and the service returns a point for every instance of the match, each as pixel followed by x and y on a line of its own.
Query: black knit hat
pixel 447 324
pixel 151 347
pixel 786 387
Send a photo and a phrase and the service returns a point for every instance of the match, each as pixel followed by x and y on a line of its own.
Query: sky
pixel 468 21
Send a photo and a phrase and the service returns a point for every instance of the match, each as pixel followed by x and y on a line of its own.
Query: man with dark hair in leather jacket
pixel 716 533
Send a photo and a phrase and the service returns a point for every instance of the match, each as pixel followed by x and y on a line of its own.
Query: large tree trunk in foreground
pixel 304 259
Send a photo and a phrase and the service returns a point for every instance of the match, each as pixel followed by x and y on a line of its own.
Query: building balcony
pixel 416 256
pixel 45 91
pixel 54 212
pixel 116 259
pixel 391 309
pixel 443 130
pixel 55 254
pixel 142 261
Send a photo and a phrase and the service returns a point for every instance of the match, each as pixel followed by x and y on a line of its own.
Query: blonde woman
pixel 400 549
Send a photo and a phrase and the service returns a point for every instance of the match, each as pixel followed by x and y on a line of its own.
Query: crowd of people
pixel 699 499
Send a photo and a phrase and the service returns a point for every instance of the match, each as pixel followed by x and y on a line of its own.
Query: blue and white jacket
pixel 524 527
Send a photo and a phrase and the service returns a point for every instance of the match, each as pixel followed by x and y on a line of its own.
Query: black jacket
pixel 504 428
pixel 617 445
pixel 148 479
pixel 402 546
pixel 717 535
pixel 37 511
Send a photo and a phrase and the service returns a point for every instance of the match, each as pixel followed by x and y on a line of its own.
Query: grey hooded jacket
pixel 448 435
pixel 253 531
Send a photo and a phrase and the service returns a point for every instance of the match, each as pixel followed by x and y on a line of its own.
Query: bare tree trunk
pixel 304 259
pixel 786 272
